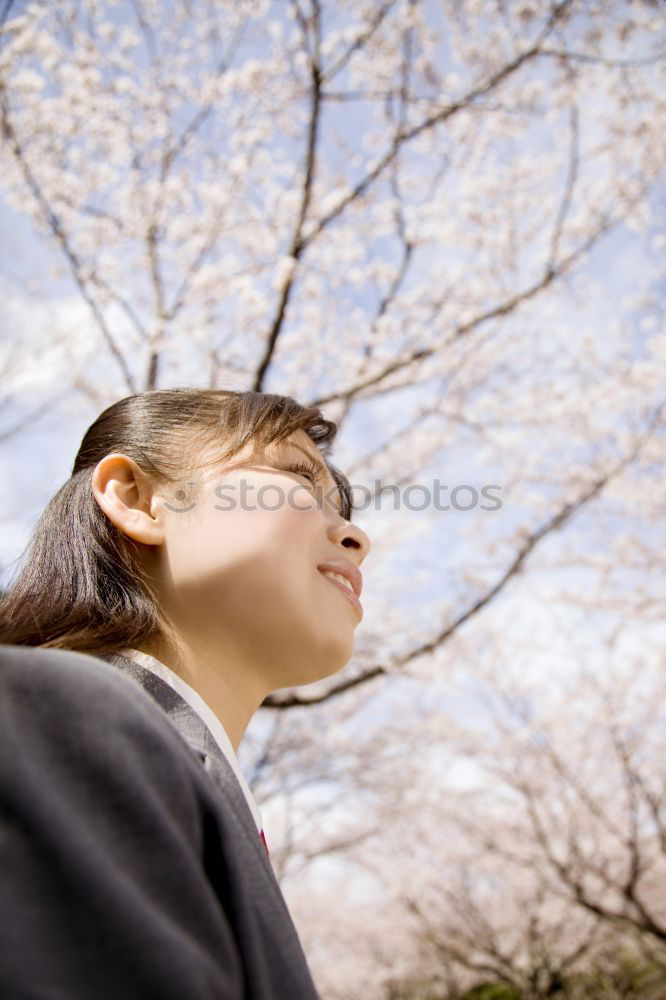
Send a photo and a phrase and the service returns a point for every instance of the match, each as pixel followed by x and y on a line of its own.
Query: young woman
pixel 200 556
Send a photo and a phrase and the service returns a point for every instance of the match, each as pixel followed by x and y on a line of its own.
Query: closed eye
pixel 314 473
pixel 307 469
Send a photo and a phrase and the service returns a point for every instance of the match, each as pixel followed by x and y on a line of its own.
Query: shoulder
pixel 22 667
pixel 103 847
pixel 86 705
pixel 50 678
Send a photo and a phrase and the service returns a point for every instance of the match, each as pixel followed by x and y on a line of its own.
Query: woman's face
pixel 238 569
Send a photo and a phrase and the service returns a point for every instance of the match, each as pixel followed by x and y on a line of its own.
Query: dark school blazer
pixel 131 867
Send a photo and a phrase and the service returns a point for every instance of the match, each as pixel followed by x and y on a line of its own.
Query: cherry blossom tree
pixel 439 222
pixel 543 870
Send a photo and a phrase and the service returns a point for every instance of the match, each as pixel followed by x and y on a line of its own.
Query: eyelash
pixel 314 473
pixel 308 469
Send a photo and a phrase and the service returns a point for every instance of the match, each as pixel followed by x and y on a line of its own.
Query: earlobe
pixel 124 493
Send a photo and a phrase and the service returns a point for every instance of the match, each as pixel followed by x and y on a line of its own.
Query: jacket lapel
pixel 200 740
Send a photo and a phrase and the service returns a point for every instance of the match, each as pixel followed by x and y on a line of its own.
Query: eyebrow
pixel 325 469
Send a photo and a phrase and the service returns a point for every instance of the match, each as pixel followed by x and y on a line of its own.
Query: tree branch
pixel 297 243
pixel 494 312
pixel 54 224
pixel 160 310
pixel 300 242
pixel 188 133
pixel 440 116
pixel 358 42
pixel 567 196
pixel 567 56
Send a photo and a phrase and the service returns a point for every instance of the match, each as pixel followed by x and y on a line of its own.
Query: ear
pixel 125 494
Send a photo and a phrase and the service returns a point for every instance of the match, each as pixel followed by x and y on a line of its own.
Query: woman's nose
pixel 352 537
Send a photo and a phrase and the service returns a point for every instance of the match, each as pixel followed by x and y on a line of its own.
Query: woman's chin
pixel 319 668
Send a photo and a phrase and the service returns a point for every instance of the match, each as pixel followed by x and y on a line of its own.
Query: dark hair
pixel 81 586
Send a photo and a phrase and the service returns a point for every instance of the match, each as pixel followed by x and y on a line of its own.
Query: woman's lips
pixel 349 594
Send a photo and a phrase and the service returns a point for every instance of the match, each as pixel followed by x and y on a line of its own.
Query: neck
pixel 231 690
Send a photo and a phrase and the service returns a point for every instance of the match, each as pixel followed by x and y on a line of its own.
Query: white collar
pixel 205 713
